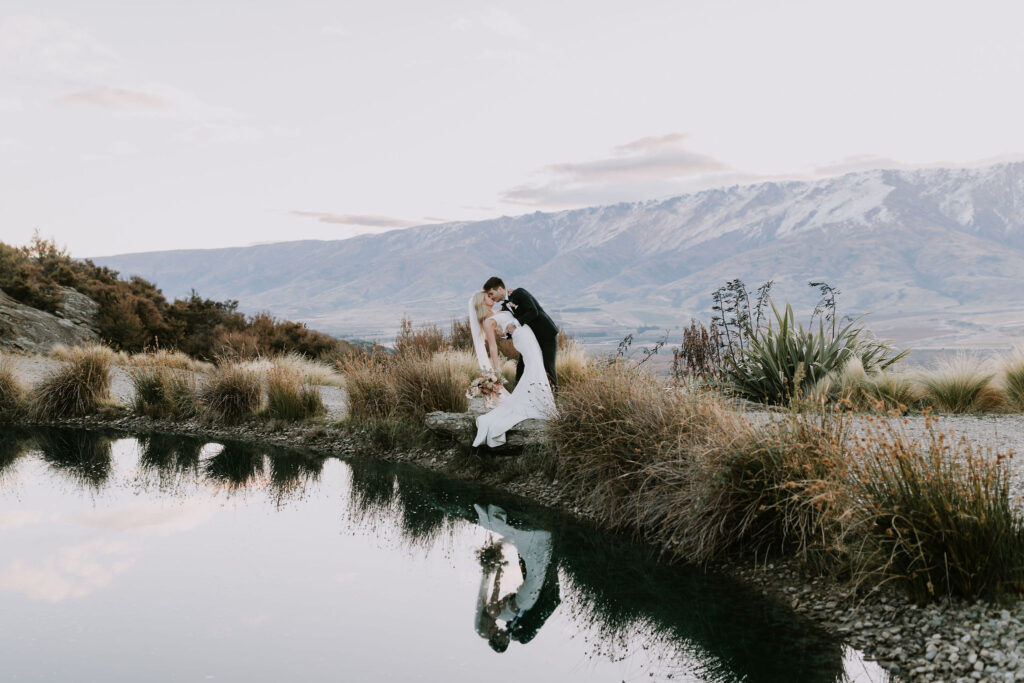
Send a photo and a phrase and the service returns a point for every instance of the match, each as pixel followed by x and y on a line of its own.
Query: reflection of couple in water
pixel 524 611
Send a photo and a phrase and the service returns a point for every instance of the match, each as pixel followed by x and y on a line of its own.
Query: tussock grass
pixel 289 397
pixel 962 385
pixel 13 397
pixel 1013 378
pixel 776 490
pixel 858 389
pixel 684 470
pixel 231 393
pixel 308 371
pixel 68 354
pixel 571 363
pixel 612 426
pixel 388 396
pixel 80 386
pixel 162 391
pixel 173 360
pixel 943 514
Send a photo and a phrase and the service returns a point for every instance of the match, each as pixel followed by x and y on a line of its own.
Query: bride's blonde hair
pixel 480 305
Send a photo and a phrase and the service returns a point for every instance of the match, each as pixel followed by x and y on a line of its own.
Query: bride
pixel 532 397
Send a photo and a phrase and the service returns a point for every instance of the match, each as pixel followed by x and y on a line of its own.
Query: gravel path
pixel 32 369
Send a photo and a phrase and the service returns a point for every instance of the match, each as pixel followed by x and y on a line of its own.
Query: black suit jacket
pixel 528 312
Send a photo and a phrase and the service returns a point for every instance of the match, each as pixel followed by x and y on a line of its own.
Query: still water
pixel 157 558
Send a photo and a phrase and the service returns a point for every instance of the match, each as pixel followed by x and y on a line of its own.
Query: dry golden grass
pixel 79 386
pixel 309 371
pixel 289 396
pixel 13 396
pixel 231 393
pixel 944 521
pixel 164 391
pixel 571 363
pixel 173 360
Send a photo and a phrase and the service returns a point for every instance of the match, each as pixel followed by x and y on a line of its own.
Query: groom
pixel 527 311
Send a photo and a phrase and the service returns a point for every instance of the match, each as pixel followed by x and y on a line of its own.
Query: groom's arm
pixel 526 306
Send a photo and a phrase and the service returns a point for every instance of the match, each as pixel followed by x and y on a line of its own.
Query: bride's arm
pixel 492 343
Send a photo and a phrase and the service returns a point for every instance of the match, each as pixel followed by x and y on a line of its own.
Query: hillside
pixel 935 254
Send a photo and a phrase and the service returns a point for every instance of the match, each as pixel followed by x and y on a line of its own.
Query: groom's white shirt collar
pixel 497 304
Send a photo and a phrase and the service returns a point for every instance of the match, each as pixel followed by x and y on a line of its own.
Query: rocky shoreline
pixel 954 640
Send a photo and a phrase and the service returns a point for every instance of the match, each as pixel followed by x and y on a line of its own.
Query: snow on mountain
pixel 937 255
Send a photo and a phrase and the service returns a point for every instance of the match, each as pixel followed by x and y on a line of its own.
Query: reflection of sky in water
pixel 198 562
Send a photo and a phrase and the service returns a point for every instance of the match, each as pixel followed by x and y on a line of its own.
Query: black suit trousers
pixel 548 349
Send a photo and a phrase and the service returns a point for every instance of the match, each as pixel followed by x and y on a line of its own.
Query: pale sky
pixel 135 126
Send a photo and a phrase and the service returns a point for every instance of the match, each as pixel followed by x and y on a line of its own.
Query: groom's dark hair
pixel 493 283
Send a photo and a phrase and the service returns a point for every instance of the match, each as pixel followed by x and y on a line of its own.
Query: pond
pixel 167 558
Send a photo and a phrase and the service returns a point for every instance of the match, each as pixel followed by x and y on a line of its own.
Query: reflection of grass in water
pixel 616 587
pixel 173 458
pixel 621 591
pixel 411 504
pixel 82 455
pixel 236 465
pixel 291 472
pixel 372 488
pixel 14 443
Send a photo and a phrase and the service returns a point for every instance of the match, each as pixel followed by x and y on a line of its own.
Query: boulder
pixel 26 329
pixel 79 309
pixel 462 428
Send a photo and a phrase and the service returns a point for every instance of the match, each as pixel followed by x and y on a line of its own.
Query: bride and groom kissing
pixel 496 311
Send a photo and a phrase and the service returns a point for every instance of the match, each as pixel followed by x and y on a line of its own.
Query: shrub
pixel 289 398
pixel 962 385
pixel 231 393
pixel 944 516
pixel 424 341
pixel 80 386
pixel 162 391
pixel 12 394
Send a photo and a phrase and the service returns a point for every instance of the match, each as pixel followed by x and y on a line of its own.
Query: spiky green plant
pixel 783 360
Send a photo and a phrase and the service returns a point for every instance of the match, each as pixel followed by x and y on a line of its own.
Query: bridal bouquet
pixel 487 385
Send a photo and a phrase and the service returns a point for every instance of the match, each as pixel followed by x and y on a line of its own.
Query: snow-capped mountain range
pixel 936 255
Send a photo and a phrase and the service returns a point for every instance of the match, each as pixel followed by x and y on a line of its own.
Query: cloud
pixel 72 572
pixel 860 162
pixel 113 98
pixel 231 133
pixel 642 169
pixel 496 20
pixel 34 46
pixel 356 219
pixel 335 31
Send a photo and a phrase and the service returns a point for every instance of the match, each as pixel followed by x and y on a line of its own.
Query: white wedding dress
pixel 532 397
